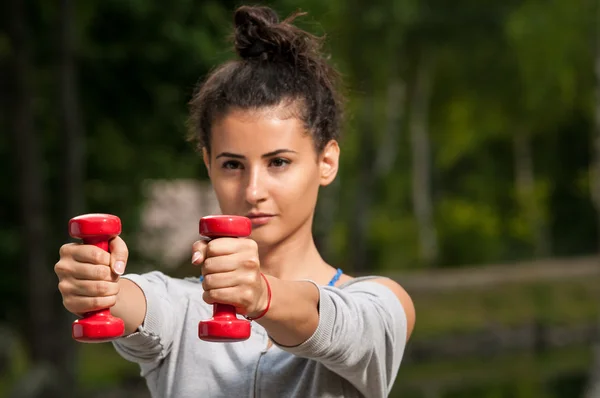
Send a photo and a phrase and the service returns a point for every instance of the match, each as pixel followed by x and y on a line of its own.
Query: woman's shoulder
pixel 376 283
pixel 359 281
pixel 370 282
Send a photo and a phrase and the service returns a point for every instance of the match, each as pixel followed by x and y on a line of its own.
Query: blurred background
pixel 470 174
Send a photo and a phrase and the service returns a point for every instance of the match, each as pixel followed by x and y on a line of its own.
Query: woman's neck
pixel 295 258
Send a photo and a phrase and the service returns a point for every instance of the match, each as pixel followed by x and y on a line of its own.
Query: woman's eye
pixel 232 165
pixel 279 162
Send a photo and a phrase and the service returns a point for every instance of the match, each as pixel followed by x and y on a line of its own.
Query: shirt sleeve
pixel 361 336
pixel 154 337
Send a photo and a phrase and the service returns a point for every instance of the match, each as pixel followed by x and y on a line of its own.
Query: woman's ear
pixel 329 162
pixel 206 159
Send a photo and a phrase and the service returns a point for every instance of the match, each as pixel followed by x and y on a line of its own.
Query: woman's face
pixel 265 167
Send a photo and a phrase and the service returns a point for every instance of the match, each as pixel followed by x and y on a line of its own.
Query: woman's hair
pixel 278 63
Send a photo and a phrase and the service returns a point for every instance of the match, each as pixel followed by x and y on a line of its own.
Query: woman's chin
pixel 264 236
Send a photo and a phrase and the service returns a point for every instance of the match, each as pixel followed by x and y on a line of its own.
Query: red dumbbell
pixel 98 230
pixel 224 326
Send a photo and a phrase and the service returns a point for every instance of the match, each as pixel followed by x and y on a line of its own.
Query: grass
pixel 471 372
pixel 552 303
pixel 101 366
pixel 18 366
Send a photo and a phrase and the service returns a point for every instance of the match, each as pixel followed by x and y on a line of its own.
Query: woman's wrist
pixel 265 300
pixel 293 315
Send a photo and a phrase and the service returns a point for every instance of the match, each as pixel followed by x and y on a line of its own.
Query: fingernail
pixel 196 257
pixel 119 267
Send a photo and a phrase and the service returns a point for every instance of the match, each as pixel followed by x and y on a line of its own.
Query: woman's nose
pixel 255 188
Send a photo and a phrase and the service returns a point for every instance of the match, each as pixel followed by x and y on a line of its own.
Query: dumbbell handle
pixel 224 326
pixel 101 242
pixel 96 326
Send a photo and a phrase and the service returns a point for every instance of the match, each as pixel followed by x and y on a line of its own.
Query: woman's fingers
pixel 87 288
pixel 199 251
pixel 82 271
pixel 228 279
pixel 82 304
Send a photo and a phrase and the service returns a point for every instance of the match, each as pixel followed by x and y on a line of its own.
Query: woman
pixel 267 125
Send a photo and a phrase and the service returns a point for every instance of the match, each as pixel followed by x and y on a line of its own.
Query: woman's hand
pixel 231 271
pixel 88 276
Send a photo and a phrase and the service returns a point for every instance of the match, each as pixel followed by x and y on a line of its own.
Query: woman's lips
pixel 260 219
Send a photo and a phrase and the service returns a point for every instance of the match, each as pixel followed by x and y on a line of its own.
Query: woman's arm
pixel 130 305
pixel 294 314
pixel 359 332
pixel 150 337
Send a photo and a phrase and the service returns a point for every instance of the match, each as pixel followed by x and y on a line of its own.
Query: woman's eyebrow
pixel 277 152
pixel 230 155
pixel 266 155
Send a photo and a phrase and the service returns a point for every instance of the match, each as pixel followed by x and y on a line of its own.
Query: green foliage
pixel 524 375
pixel 102 368
pixel 564 303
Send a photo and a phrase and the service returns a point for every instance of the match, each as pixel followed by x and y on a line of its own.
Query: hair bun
pixel 259 34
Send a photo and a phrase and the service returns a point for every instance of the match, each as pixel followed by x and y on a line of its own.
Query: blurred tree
pixel 40 327
pixel 422 197
pixel 72 167
pixel 595 168
pixel 376 111
pixel 593 382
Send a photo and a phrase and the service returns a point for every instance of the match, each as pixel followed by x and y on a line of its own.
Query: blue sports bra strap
pixel 336 277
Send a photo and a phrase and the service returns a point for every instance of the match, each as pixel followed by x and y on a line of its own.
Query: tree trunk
pixel 364 190
pixel 595 169
pixel 40 282
pixel 327 211
pixel 525 187
pixel 421 160
pixel 387 151
pixel 71 126
pixel 376 161
pixel 72 171
pixel 593 383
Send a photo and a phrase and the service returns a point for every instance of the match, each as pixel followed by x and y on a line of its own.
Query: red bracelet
pixel 268 302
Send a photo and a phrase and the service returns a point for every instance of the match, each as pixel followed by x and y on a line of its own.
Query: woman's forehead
pixel 263 129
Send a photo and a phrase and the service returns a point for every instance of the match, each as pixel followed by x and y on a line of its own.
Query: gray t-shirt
pixel 355 352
